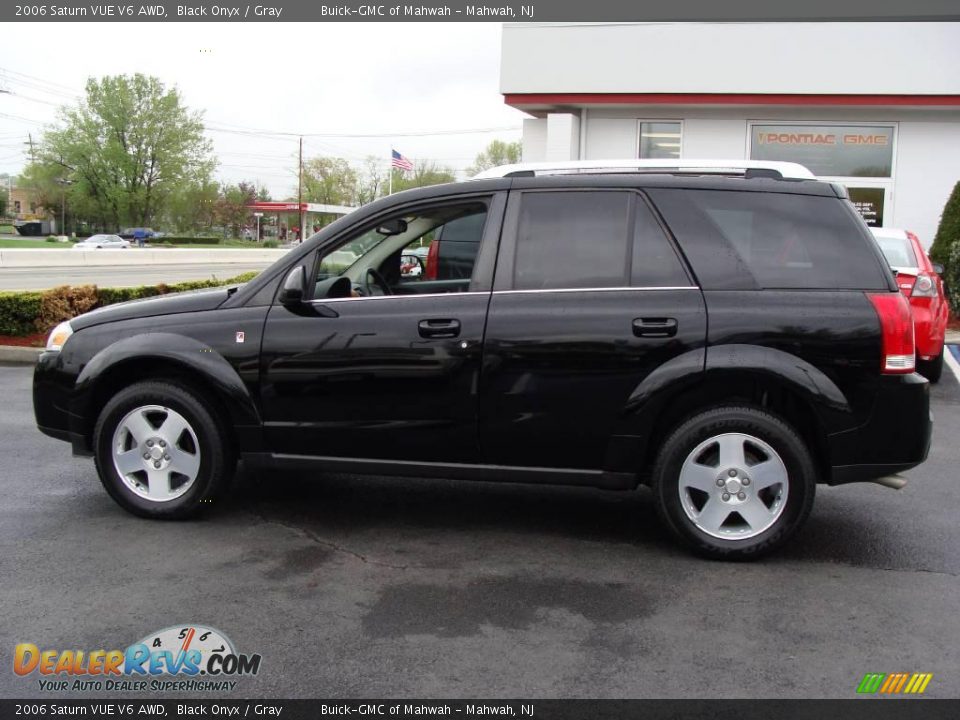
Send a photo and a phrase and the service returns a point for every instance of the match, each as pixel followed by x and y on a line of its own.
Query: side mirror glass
pixel 294 287
pixel 395 226
pixel 938 268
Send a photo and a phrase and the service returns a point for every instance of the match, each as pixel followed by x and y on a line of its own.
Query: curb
pixel 953 337
pixel 19 355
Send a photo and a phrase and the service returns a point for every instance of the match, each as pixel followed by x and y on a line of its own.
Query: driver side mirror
pixel 294 287
pixel 394 226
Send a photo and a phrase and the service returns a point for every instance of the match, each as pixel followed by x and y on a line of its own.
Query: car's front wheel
pixel 160 452
pixel 734 482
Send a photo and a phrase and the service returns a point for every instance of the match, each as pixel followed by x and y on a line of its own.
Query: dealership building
pixel 874 106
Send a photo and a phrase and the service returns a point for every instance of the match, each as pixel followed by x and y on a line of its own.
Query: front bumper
pixel 895 438
pixel 52 390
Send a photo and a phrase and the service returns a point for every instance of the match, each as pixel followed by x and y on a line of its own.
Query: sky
pixel 397 81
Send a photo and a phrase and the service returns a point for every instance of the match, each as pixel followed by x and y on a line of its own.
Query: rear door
pixel 589 298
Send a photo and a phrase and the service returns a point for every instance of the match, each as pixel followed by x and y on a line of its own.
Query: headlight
pixel 59 336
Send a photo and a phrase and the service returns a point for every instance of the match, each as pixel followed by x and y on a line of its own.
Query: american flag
pixel 399 161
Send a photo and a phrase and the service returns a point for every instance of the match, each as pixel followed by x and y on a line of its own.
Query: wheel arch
pixel 157 356
pixel 761 377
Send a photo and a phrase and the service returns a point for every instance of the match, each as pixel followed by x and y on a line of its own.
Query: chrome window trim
pixel 500 292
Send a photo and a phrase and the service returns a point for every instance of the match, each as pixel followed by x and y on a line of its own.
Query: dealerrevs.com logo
pixel 185 657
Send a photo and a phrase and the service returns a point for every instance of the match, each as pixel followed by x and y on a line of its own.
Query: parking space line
pixel 952 357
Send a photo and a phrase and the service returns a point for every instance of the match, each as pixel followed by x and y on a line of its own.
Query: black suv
pixel 727 338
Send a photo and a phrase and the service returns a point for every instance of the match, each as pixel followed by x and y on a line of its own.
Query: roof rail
pixel 749 168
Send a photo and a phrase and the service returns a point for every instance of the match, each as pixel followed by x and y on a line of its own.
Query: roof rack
pixel 747 168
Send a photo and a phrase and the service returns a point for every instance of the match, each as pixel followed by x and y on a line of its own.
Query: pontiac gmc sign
pixel 827 150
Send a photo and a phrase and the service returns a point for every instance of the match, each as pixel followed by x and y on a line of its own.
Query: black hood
pixel 190 301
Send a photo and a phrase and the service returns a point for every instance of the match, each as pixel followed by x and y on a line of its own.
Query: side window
pixel 422 250
pixel 572 240
pixel 596 239
pixel 745 240
pixel 654 262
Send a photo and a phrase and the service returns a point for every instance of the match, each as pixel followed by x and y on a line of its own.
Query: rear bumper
pixel 895 438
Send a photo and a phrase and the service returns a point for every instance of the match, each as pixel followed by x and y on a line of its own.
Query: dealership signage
pixel 828 150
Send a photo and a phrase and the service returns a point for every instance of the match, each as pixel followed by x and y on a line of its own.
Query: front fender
pixel 186 352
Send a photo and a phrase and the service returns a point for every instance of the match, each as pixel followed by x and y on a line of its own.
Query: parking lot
pixel 370 586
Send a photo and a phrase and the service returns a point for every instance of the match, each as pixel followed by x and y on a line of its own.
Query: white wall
pixel 859 58
pixel 927 168
pixel 610 138
pixel 534 142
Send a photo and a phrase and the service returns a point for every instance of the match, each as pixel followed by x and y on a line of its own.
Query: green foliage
pixel 24 313
pixel 231 206
pixel 271 244
pixel 18 312
pixel 946 246
pixel 948 233
pixel 951 278
pixel 497 153
pixel 51 238
pixel 330 181
pixel 424 173
pixel 4 199
pixel 125 146
pixel 188 240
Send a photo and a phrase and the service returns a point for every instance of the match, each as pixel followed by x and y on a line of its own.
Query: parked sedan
pixel 97 242
pixel 919 279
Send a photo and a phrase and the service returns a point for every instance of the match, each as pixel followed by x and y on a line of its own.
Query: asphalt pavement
pixel 369 586
pixel 41 278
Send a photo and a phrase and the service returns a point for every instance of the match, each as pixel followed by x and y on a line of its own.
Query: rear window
pixel 898 251
pixel 745 240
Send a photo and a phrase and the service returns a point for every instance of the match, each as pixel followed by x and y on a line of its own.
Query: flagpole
pixel 390 171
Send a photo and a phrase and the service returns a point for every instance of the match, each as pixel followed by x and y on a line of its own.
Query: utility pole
pixel 30 143
pixel 300 191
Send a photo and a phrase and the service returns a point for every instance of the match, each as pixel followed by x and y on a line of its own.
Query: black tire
pixel 932 369
pixel 217 461
pixel 783 439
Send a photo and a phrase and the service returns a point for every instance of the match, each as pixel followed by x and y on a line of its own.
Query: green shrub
pixel 271 244
pixel 25 313
pixel 946 247
pixel 52 238
pixel 19 312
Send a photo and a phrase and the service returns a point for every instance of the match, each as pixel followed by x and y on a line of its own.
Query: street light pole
pixel 258 215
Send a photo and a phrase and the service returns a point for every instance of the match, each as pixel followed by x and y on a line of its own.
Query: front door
pixel 589 298
pixel 383 362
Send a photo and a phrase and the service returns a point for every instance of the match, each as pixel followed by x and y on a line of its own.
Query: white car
pixel 97 242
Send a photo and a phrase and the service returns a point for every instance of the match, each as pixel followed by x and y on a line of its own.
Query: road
pixel 33 278
pixel 377 587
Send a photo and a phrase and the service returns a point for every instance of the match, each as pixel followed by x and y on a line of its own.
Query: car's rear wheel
pixel 734 482
pixel 932 369
pixel 160 452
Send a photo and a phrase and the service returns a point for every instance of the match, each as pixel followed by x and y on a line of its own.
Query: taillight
pixel 433 260
pixel 896 324
pixel 925 286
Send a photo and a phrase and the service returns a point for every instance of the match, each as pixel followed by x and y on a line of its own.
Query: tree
pixel 424 173
pixel 498 152
pixel 330 181
pixel 127 145
pixel 4 199
pixel 193 205
pixel 372 182
pixel 946 246
pixel 231 207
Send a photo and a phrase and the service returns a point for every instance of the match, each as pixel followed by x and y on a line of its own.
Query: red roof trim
pixel 526 99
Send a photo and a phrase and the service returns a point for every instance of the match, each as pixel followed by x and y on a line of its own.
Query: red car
pixel 919 279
